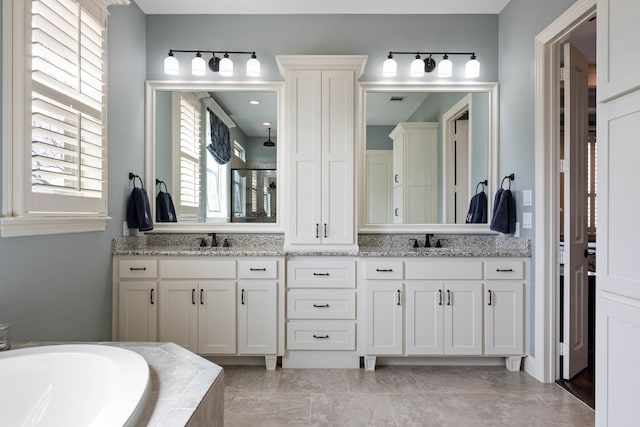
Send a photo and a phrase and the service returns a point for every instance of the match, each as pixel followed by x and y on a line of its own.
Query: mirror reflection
pixel 215 150
pixel 426 153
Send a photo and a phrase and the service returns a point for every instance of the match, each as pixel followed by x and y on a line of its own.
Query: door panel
pixel 576 236
pixel 424 317
pixel 217 317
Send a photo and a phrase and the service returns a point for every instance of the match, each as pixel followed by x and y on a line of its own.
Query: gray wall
pixel 520 22
pixel 378 137
pixel 59 287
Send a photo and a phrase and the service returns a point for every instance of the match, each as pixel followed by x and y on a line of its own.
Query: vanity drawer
pixel 321 335
pixel 198 269
pixel 257 269
pixel 321 274
pixel 504 270
pixel 323 304
pixel 443 270
pixel 380 270
pixel 138 268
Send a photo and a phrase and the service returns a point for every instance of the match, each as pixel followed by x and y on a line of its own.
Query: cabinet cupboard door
pixel 178 313
pixel 424 318
pixel 217 317
pixel 138 311
pixel 384 318
pixel 463 318
pixel 257 317
pixel 504 318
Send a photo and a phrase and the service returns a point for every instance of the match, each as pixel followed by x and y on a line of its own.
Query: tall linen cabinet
pixel 320 139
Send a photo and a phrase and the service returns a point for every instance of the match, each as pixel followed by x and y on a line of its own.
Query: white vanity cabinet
pixel 320 114
pixel 440 307
pixel 137 297
pixel 211 306
pixel 415 172
pixel 321 313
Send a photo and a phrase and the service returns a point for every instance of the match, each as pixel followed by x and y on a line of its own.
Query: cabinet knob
pixel 396 212
pixel 201 296
pixel 448 297
pixel 385 270
pixel 242 297
pixel 138 268
pixel 504 270
pixel 320 274
pixel 257 269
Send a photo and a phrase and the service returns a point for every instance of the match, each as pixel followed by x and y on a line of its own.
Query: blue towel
pixel 139 210
pixel 478 209
pixel 504 212
pixel 165 211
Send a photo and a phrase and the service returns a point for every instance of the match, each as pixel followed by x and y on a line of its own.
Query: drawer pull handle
pixel 138 268
pixel 201 296
pixel 396 212
pixel 151 297
pixel 325 230
pixel 242 297
pixel 399 296
pixel 504 270
pixel 395 179
pixel 317 230
pixel 257 269
pixel 439 296
pixel 490 297
pixel 383 270
pixel 320 274
pixel 321 337
pixel 193 296
pixel 321 305
pixel 448 297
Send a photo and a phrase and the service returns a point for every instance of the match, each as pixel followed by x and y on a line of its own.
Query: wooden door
pixel 504 319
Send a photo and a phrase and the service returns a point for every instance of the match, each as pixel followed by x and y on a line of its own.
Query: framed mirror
pixel 425 150
pixel 214 148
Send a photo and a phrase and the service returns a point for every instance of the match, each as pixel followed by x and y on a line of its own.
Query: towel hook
pixel 510 177
pixel 161 183
pixel 483 183
pixel 133 176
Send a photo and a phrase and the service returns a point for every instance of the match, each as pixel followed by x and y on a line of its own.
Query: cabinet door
pixel 257 317
pixel 178 313
pixel 398 205
pixel 217 317
pixel 463 318
pixel 337 157
pixel 424 318
pixel 304 154
pixel 383 318
pixel 138 311
pixel 504 318
pixel 398 159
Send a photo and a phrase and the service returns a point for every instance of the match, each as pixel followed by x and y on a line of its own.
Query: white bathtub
pixel 72 385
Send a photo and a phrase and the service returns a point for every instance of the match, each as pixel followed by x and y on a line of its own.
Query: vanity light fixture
pixel 217 64
pixel 419 66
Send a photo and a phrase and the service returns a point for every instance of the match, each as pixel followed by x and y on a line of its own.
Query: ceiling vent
pixel 397 99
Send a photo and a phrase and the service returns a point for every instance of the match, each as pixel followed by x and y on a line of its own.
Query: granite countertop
pixel 179 380
pixel 369 246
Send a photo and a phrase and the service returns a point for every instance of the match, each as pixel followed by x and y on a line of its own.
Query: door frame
pixel 543 365
pixel 448 136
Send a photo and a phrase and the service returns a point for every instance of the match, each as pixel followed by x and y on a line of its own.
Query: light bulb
pixel 389 67
pixel 445 67
pixel 226 66
pixel 472 68
pixel 253 67
pixel 171 65
pixel 198 66
pixel 417 67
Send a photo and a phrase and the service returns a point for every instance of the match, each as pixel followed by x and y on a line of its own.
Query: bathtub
pixel 72 385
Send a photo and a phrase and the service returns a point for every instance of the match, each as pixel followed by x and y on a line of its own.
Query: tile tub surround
pixel 371 245
pixel 185 389
pixel 397 396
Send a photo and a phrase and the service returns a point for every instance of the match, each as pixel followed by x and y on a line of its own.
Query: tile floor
pixel 396 396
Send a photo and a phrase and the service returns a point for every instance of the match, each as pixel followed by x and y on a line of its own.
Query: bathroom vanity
pixel 462 303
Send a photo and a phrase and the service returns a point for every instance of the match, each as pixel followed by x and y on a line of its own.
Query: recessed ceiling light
pixel 254 102
pixel 266 123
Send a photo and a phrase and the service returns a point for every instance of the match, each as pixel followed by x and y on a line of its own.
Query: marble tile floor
pixel 396 396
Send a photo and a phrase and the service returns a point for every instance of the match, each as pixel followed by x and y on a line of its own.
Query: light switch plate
pixel 125 229
pixel 527 220
pixel 527 199
pixel 517 232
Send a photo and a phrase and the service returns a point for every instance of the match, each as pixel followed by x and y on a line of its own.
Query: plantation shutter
pixel 190 142
pixel 68 101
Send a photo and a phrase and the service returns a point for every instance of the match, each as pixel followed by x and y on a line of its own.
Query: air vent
pixel 397 99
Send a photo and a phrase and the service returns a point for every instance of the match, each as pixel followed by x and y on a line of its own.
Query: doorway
pixel 576 216
pixel 456 161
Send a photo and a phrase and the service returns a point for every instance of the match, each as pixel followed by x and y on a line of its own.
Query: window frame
pixel 17 216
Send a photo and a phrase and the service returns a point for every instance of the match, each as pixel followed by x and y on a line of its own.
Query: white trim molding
pixel 547 154
pixel 38 226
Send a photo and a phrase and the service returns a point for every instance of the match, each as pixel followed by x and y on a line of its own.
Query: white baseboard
pixel 321 359
pixel 530 367
pixel 439 361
